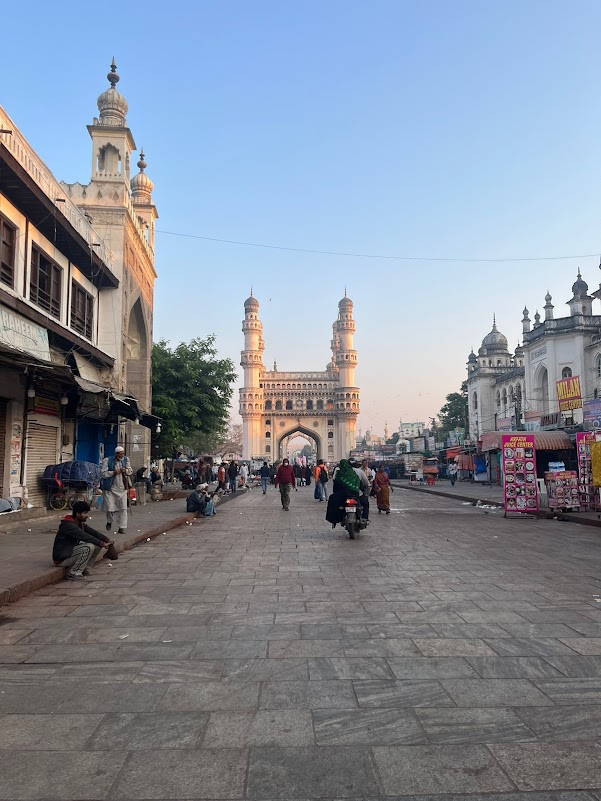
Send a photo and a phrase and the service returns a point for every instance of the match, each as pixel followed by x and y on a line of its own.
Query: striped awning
pixel 543 440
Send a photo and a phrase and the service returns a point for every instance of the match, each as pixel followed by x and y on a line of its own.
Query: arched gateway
pixel 322 406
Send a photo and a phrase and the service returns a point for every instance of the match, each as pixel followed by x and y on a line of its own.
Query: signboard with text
pixel 520 491
pixel 569 394
pixel 592 415
pixel 21 334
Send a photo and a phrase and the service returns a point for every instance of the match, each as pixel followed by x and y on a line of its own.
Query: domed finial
pixel 142 164
pixel 112 76
pixel 579 276
pixel 548 297
pixel 494 322
pixel 526 312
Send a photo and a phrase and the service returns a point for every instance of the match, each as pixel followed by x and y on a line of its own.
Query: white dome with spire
pixel 495 340
pixel 111 104
pixel 141 185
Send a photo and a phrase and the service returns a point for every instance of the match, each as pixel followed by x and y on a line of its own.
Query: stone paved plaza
pixel 261 655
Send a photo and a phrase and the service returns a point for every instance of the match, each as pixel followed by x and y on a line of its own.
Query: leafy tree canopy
pixel 454 414
pixel 191 392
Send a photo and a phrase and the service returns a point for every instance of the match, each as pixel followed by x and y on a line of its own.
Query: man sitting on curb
pixel 76 545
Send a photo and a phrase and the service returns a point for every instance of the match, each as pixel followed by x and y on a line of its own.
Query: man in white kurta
pixel 114 471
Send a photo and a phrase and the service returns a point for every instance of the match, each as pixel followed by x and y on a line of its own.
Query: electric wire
pixel 373 255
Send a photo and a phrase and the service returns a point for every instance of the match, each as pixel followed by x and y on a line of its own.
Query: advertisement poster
pixel 519 473
pixel 562 489
pixel 592 415
pixel 569 394
pixel 588 493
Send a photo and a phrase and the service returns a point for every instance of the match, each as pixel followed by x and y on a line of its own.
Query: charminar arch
pixel 322 405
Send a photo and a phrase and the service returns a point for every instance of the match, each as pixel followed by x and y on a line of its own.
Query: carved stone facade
pixel 322 406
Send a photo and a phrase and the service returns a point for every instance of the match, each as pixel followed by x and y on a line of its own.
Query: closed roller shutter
pixel 2 445
pixel 41 450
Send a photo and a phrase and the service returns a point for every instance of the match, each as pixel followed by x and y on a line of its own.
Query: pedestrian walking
pixel 383 489
pixel 285 480
pixel 264 474
pixel 115 483
pixel 321 481
pixel 243 474
pixel 232 474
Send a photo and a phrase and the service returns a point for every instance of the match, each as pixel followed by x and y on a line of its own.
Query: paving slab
pixel 265 656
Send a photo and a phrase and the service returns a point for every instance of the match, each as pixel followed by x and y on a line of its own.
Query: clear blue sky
pixel 429 128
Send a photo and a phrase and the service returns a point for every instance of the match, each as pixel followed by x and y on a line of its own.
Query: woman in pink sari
pixel 382 488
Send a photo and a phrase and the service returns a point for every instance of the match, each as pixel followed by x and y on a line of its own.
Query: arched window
pixel 518 391
pixel 475 400
pixel 310 404
pixel 511 395
pixel 330 435
pixel 499 362
pixel 268 449
pixel 598 363
pixel 329 404
pixel 267 406
pixel 267 422
pixel 566 372
pixel 288 405
pixel 490 362
pixel 278 406
pixel 348 405
pixel 330 422
pixel 320 404
pixel 504 399
pixel 268 435
pixel 498 399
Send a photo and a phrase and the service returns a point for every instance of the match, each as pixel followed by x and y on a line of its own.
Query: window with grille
pixel 7 253
pixel 45 283
pixel 82 310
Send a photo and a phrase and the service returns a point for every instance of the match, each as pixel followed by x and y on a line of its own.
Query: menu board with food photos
pixel 519 473
pixel 562 489
pixel 588 494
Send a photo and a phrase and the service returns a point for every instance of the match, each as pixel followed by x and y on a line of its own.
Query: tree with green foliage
pixel 454 414
pixel 191 392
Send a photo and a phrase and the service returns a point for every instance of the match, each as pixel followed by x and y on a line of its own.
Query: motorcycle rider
pixel 347 484
pixel 365 487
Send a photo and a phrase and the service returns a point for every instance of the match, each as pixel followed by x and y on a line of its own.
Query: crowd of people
pixel 77 545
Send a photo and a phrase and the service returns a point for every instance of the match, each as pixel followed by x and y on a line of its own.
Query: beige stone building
pixel 276 405
pixel 76 295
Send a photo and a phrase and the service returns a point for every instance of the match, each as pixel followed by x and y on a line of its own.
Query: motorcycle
pixel 353 518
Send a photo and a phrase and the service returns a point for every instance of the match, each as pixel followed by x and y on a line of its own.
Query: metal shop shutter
pixel 41 450
pixel 2 445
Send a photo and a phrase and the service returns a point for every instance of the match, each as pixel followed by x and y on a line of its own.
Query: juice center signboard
pixel 520 490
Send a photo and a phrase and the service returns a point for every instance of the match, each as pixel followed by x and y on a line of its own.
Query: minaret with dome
pixel 121 209
pixel 321 405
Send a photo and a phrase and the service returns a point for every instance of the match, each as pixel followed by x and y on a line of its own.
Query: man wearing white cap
pixel 115 470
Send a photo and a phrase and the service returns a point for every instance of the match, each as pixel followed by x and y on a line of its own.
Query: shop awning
pixel 99 402
pixel 543 440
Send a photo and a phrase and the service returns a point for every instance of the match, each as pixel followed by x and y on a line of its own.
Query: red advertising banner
pixel 520 490
pixel 569 394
